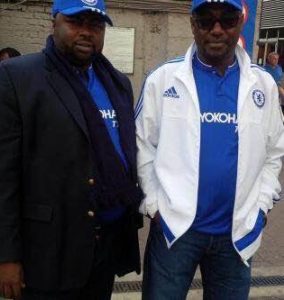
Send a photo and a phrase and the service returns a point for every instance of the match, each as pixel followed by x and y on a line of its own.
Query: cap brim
pixel 76 10
pixel 235 5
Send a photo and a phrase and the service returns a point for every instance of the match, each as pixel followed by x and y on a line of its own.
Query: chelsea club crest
pixel 90 2
pixel 258 98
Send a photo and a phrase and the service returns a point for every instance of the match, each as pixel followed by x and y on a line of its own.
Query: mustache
pixel 84 43
pixel 85 39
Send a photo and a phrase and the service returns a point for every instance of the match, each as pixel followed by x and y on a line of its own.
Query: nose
pixel 217 28
pixel 86 30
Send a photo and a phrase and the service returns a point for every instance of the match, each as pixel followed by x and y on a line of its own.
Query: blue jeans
pixel 168 273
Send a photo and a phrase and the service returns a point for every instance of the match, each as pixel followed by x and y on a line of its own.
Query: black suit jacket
pixel 45 167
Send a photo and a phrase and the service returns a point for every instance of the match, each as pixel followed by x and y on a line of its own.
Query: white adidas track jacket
pixel 168 137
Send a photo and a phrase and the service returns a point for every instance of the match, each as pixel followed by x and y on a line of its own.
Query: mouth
pixel 217 44
pixel 84 47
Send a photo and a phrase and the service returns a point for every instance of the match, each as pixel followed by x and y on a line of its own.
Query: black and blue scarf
pixel 115 184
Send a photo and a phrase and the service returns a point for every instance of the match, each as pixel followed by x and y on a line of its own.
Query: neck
pixel 81 68
pixel 220 64
pixel 80 65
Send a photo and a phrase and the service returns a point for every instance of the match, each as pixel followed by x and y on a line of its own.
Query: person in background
pixel 69 195
pixel 8 52
pixel 272 66
pixel 275 70
pixel 210 141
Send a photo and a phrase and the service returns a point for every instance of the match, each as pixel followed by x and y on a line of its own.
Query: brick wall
pixel 25 27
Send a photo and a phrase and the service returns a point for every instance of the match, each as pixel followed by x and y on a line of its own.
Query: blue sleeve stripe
pixel 175 60
pixel 138 109
pixel 139 104
pixel 248 239
pixel 166 230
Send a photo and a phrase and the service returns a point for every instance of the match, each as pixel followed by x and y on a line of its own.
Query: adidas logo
pixel 171 93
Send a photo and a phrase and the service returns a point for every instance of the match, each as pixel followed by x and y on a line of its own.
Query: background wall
pixel 162 29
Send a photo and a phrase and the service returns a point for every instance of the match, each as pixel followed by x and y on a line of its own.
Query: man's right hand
pixel 11 280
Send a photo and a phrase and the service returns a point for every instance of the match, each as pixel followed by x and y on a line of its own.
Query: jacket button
pixel 91 181
pixel 91 213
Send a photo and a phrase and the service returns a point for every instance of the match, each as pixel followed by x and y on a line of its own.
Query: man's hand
pixel 11 280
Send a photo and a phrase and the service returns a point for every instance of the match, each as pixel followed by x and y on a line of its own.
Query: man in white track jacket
pixel 210 141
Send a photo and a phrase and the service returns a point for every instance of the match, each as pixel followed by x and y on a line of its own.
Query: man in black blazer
pixel 68 186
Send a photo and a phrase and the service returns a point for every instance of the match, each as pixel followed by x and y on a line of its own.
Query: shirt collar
pixel 203 66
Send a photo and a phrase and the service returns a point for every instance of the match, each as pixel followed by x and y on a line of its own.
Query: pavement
pixel 268 261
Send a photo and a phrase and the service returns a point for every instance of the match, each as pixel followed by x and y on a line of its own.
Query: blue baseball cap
pixel 235 3
pixel 72 7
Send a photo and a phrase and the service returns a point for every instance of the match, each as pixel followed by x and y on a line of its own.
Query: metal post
pixel 277 43
pixel 265 48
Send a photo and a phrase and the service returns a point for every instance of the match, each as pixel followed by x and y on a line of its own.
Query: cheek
pixel 234 34
pixel 199 39
pixel 63 39
pixel 99 41
pixel 65 34
pixel 233 39
pixel 199 35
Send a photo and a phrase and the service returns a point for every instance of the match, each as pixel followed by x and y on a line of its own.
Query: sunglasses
pixel 208 22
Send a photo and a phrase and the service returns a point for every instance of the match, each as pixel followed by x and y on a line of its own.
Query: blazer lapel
pixel 68 98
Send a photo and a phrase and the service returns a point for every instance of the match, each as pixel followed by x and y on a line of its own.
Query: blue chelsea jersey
pixel 218 100
pixel 108 114
pixel 103 103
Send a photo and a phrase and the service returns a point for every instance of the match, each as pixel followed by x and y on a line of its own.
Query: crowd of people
pixel 79 166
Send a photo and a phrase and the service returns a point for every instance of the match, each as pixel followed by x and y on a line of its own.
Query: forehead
pixel 215 8
pixel 87 15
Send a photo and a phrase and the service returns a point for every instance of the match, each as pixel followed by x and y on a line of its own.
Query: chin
pixel 81 62
pixel 215 56
pixel 217 53
pixel 84 57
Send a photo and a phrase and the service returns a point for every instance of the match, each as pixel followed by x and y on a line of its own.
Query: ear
pixel 192 23
pixel 242 21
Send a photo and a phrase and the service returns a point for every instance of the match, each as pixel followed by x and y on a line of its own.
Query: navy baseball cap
pixel 235 3
pixel 72 7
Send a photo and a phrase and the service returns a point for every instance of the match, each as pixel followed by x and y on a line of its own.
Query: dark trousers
pixel 100 282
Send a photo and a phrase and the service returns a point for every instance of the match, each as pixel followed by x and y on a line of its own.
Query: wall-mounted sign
pixel 119 48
